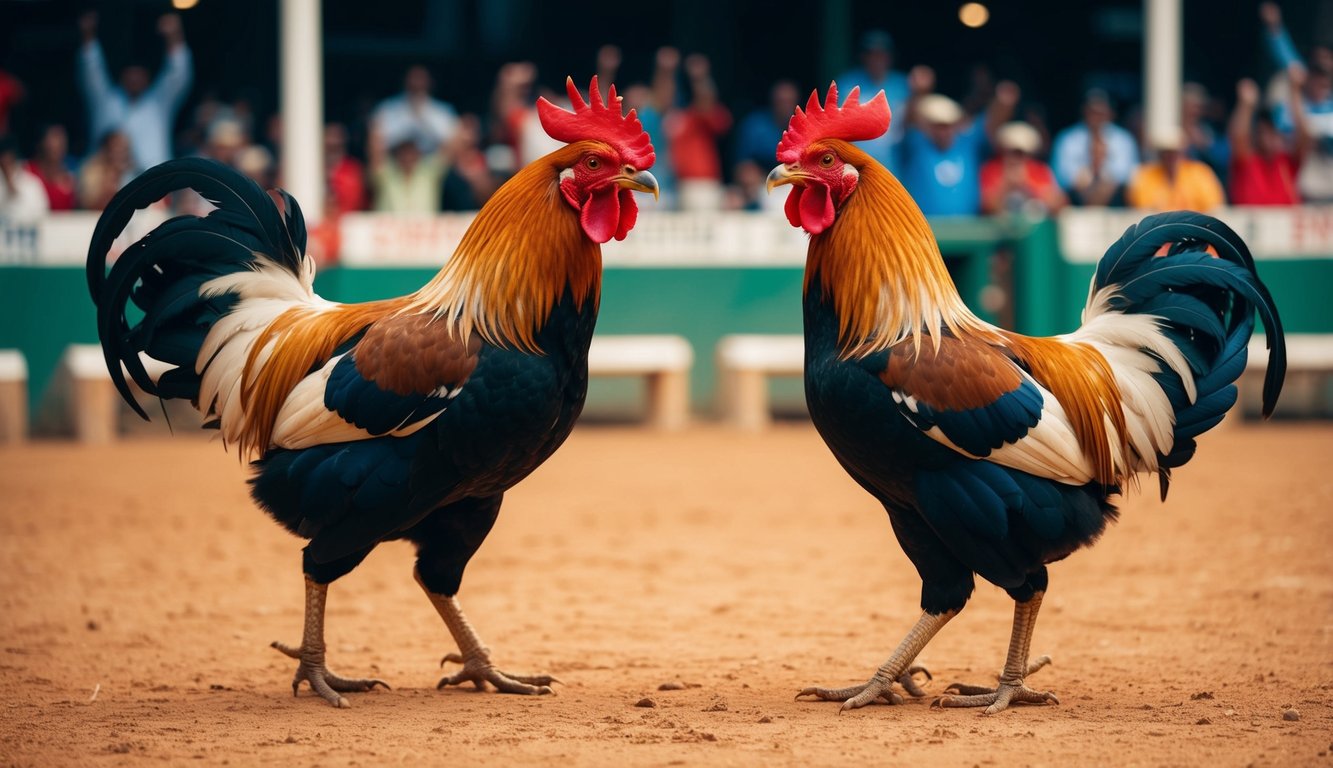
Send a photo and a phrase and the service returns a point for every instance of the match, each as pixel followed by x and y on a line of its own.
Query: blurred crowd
pixel 990 151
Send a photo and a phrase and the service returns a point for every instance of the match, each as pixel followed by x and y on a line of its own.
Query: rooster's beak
pixel 642 181
pixel 786 174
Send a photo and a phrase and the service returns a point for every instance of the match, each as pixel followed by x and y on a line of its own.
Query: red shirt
pixel 61 190
pixel 1039 182
pixel 1257 180
pixel 347 184
pixel 693 139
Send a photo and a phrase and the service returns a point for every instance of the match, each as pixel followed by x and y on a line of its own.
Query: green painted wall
pixel 44 309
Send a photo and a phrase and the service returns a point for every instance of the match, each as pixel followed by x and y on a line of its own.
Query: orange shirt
pixel 1196 188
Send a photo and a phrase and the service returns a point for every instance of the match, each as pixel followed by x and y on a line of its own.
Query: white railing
pixel 665 239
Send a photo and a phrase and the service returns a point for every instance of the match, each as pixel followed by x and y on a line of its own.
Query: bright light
pixel 184 5
pixel 973 15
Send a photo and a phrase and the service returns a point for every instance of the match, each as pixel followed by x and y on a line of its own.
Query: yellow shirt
pixel 1196 188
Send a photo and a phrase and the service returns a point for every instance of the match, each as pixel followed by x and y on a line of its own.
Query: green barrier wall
pixel 43 309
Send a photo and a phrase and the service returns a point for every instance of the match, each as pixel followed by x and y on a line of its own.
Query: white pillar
pixel 1162 43
pixel 302 97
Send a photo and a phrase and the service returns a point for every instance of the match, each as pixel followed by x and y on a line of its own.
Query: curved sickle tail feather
pixel 1165 266
pixel 162 273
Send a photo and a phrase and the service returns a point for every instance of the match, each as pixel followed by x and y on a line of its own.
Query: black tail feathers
pixel 163 272
pixel 1162 266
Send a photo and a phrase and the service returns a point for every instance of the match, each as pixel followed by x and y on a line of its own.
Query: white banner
pixel 658 239
pixel 731 239
pixel 1302 232
pixel 61 239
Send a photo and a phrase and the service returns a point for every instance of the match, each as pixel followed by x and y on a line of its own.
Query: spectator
pixel 22 197
pixel 105 171
pixel 653 103
pixel 404 179
pixel 758 134
pixel 415 113
pixel 255 162
pixel 11 93
pixel 1015 181
pixel 876 74
pixel 1202 141
pixel 1315 179
pixel 943 148
pixel 1093 185
pixel 1174 181
pixel 52 165
pixel 346 175
pixel 469 182
pixel 511 106
pixel 693 134
pixel 1263 169
pixel 143 111
pixel 226 139
pixel 1072 151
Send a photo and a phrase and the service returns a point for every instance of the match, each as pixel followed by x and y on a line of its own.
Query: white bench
pixel 13 396
pixel 665 362
pixel 744 364
pixel 91 403
pixel 1309 368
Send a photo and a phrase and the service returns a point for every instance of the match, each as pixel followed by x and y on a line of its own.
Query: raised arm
pixel 93 75
pixel 1001 108
pixel 1239 128
pixel 1302 137
pixel 920 82
pixel 178 66
pixel 1280 47
pixel 664 79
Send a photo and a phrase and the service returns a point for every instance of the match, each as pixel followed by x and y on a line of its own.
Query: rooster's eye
pixel 593 164
pixel 827 160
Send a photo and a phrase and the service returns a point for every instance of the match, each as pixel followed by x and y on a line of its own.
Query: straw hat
pixel 939 109
pixel 1020 136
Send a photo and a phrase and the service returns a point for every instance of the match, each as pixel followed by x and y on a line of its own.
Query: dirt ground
pixel 140 590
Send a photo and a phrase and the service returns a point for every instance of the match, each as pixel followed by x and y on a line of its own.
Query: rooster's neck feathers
pixel 881 267
pixel 517 259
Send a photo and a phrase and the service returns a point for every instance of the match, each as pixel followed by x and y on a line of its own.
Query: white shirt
pixel 27 202
pixel 147 120
pixel 431 122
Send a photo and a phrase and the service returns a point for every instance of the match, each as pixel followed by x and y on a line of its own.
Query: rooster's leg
pixel 1016 667
pixel 898 668
pixel 475 657
pixel 311 653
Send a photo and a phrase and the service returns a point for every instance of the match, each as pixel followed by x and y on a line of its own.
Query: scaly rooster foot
pixel 877 688
pixel 999 698
pixel 477 670
pixel 322 681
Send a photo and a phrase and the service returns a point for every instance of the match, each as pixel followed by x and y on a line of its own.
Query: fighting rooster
pixel 400 419
pixel 995 453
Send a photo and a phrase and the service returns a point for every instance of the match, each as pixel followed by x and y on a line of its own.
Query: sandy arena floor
pixel 140 590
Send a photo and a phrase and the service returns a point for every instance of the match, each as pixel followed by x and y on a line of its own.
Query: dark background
pixel 1053 48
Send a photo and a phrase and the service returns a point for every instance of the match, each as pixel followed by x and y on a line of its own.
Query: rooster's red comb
pixel 598 121
pixel 853 121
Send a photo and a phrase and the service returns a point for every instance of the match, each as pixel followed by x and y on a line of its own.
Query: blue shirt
pixel 1072 152
pixel 884 149
pixel 945 182
pixel 146 121
pixel 757 138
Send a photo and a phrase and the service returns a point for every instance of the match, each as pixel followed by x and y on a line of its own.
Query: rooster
pixel 400 419
pixel 994 453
